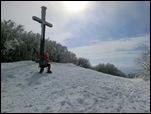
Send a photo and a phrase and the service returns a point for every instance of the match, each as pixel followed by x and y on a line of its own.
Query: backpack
pixel 42 62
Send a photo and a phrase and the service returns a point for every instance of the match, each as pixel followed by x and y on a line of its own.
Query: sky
pixel 102 31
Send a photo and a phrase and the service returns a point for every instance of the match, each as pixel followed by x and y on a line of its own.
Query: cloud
pixel 112 48
pixel 61 36
pixel 107 17
pixel 22 12
pixel 60 18
pixel 121 53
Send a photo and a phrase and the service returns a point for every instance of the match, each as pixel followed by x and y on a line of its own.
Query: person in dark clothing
pixel 44 62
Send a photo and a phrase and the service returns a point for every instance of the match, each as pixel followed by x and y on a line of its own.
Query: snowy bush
pixel 108 68
pixel 83 62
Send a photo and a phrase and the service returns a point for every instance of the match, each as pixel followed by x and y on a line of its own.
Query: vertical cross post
pixel 43 24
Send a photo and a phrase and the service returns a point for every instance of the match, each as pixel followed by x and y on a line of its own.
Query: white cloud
pixel 60 37
pixel 99 13
pixel 113 48
pixel 22 12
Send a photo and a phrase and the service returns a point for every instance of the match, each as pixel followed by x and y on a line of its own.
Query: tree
pixel 109 69
pixel 10 39
pixel 144 62
pixel 83 62
pixel 17 44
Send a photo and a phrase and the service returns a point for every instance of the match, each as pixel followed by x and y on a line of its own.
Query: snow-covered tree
pixel 17 44
pixel 109 69
pixel 10 37
pixel 83 62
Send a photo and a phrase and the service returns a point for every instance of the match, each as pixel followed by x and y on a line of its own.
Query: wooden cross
pixel 43 24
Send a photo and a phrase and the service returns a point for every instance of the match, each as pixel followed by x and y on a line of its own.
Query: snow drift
pixel 69 89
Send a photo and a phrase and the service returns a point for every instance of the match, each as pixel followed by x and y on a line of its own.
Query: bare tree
pixel 144 62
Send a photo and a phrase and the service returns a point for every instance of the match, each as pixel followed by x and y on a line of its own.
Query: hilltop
pixel 69 88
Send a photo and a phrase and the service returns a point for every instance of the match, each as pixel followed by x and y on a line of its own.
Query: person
pixel 44 62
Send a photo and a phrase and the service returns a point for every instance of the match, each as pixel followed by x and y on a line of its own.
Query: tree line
pixel 17 45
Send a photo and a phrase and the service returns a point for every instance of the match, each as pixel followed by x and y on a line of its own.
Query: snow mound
pixel 69 89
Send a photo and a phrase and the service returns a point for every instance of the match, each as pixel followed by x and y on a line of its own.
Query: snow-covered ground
pixel 69 89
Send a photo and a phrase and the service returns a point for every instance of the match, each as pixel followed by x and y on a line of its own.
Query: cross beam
pixel 43 24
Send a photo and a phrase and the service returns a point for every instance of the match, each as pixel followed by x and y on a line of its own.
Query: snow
pixel 69 89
